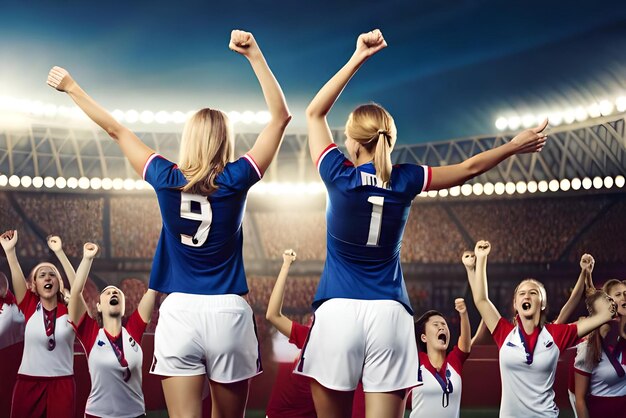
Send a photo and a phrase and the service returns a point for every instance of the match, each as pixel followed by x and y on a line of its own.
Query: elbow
pixel 312 112
pixel 471 169
pixel 115 130
pixel 283 118
pixel 270 316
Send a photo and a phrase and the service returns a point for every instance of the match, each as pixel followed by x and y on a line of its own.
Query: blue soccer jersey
pixel 200 247
pixel 365 224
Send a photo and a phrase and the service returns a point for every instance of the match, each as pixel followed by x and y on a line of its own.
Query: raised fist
pixel 289 256
pixel 531 140
pixel 482 249
pixel 59 79
pixel 587 262
pixel 459 305
pixel 8 239
pixel 90 250
pixel 55 243
pixel 469 260
pixel 370 43
pixel 243 43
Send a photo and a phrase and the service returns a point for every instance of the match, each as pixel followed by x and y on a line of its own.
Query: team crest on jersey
pixel 101 343
pixel 133 344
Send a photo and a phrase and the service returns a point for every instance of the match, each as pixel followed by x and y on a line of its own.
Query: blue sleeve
pixel 241 174
pixel 332 164
pixel 417 177
pixel 161 173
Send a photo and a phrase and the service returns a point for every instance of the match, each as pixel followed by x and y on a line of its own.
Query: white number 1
pixel 205 216
pixel 376 220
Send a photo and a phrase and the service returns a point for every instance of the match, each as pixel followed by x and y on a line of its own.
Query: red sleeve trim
pixel 456 358
pixel 564 335
pixel 428 176
pixel 328 149
pixel 86 331
pixel 298 334
pixel 254 165
pixel 136 326
pixel 28 305
pixel 148 161
pixel 581 372
pixel 501 331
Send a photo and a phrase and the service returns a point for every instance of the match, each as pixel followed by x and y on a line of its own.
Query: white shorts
pixel 206 334
pixel 368 340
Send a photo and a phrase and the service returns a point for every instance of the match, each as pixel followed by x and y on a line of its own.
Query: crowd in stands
pixel 303 231
pixel 607 236
pixel 134 219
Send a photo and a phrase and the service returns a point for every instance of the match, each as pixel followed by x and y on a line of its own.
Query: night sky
pixel 451 68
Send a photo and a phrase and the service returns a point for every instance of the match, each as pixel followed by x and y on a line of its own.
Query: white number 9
pixel 205 216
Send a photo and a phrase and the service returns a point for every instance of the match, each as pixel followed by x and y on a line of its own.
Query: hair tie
pixel 383 132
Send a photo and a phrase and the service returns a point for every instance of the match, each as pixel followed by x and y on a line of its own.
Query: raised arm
pixel 465 338
pixel 8 241
pixel 136 151
pixel 603 315
pixel 56 245
pixel 146 305
pixel 578 293
pixel 319 133
pixel 77 306
pixel 581 387
pixel 269 139
pixel 530 140
pixel 478 284
pixel 274 312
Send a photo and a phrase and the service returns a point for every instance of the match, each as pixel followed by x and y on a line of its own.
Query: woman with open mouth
pixel 600 365
pixel 529 348
pixel 114 354
pixel 45 382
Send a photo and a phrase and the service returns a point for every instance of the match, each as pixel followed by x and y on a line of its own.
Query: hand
pixel 469 260
pixel 90 250
pixel 9 239
pixel 459 305
pixel 289 256
pixel 531 140
pixel 243 43
pixel 370 43
pixel 586 263
pixel 607 307
pixel 60 79
pixel 482 249
pixel 55 243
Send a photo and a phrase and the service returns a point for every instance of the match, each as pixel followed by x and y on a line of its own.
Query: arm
pixel 269 139
pixel 56 245
pixel 77 306
pixel 146 305
pixel 530 140
pixel 481 331
pixel 8 241
pixel 465 342
pixel 136 151
pixel 274 306
pixel 604 314
pixel 319 133
pixel 478 284
pixel 586 267
pixel 581 389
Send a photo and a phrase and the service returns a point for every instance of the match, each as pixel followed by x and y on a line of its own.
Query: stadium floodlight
pixel 443 193
pixel 455 191
pixel 26 181
pixel 542 186
pixel 118 184
pixel 528 120
pixel 131 116
pixel 620 103
pixel 83 183
pixel 509 187
pixel 36 108
pixel 569 116
pixel 576 183
pixel 619 181
pixel 477 189
pixel 107 183
pixel 72 183
pixel 531 186
pixel 118 115
pixel 50 110
pixel 433 193
pixel 262 117
pixel 141 185
pixel 234 116
pixel 501 123
pixel 146 117
pixel 65 112
pixel 37 182
pixel 597 182
pixel 14 181
pixel 553 186
pixel 162 117
pixel 423 194
pixel 514 122
pixel 555 118
pixel 606 107
pixel 499 188
pixel 48 182
pixel 587 183
pixel 4 180
pixel 608 182
pixel 129 184
pixel 60 182
pixel 581 114
pixel 95 183
pixel 466 189
pixel 178 117
pixel 488 189
pixel 247 117
pixel 565 185
pixel 520 187
pixel 594 110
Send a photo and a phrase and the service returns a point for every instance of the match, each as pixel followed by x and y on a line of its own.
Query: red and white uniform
pixel 430 399
pixel 528 366
pixel 11 321
pixel 607 389
pixel 113 393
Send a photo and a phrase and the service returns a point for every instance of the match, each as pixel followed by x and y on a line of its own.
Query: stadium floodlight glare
pixel 608 182
pixel 565 185
pixel 118 184
pixel 576 183
pixel 4 180
pixel 48 182
pixel 528 120
pixel 477 189
pixel 95 183
pixel 140 185
pixel 553 186
pixel 60 182
pixel 162 117
pixel 66 112
pixel 514 122
pixel 443 193
pixel 234 116
pixel 72 183
pixel 129 184
pixel 262 117
pixel 118 115
pixel 594 110
pixel 531 186
pixel 14 181
pixel 178 117
pixel 455 191
pixel 509 187
pixel 146 117
pixel 432 193
pixel 247 117
pixel 619 181
pixel 50 110
pixel 37 182
pixel 501 123
pixel 581 114
pixel 499 188
pixel 569 116
pixel 107 183
pixel 26 181
pixel 83 183
pixel 542 186
pixel 488 189
pixel 587 183
pixel 597 182
pixel 423 194
pixel 620 103
pixel 606 107
pixel 131 116
pixel 520 187
pixel 555 118
pixel 466 189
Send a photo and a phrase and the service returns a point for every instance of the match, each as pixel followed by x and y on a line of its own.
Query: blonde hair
pixel 542 294
pixel 33 275
pixel 372 126
pixel 205 149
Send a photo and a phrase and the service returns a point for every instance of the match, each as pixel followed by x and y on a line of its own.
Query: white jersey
pixel 528 367
pixel 115 389
pixel 440 393
pixel 11 321
pixel 604 380
pixel 38 360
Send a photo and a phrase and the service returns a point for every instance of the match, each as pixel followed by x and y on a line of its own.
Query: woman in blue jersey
pixel 368 205
pixel 205 327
